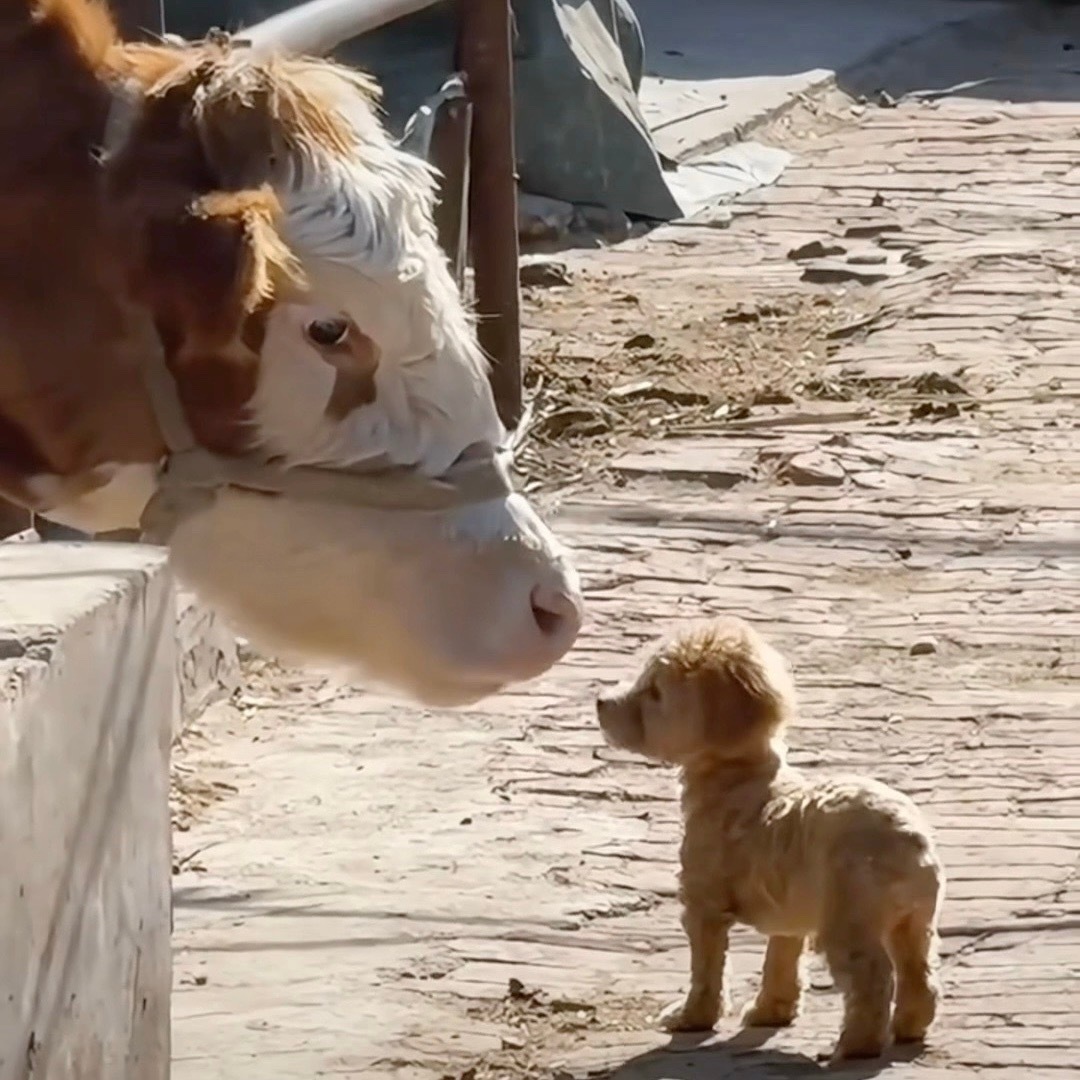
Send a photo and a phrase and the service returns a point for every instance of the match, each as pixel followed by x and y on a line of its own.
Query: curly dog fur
pixel 848 862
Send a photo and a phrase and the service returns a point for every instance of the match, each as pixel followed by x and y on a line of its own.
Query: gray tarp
pixel 577 68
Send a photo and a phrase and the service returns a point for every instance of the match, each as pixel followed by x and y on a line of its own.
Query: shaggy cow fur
pixel 244 217
pixel 846 862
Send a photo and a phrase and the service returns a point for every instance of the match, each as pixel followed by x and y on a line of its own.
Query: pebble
pixel 543 272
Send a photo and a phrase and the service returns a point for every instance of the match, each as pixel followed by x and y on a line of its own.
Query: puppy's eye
pixel 652 692
pixel 326 333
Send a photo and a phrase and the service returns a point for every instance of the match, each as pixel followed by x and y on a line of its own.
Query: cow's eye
pixel 327 332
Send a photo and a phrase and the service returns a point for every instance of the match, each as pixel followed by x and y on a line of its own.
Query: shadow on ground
pixel 746 1056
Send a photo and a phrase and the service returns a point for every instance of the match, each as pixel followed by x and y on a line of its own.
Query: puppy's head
pixel 715 690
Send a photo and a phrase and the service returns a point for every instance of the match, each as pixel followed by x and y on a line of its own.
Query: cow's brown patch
pixel 206 269
pixel 209 266
pixel 355 360
pixel 71 394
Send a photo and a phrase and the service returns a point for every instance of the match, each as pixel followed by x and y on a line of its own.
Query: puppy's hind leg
pixel 912 945
pixel 706 999
pixel 777 1002
pixel 862 970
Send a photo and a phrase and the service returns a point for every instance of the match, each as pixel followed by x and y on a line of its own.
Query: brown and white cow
pixel 224 315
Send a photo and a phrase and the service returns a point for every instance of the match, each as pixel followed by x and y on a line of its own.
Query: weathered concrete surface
pixel 207 661
pixel 207 657
pixel 87 702
pixel 359 907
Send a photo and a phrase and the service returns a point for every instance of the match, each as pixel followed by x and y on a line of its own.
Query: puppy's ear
pixel 745 698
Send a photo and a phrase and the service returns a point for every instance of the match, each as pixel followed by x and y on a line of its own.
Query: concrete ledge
pixel 207 657
pixel 88 707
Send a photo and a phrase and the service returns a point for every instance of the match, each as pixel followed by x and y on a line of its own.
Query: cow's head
pixel 286 250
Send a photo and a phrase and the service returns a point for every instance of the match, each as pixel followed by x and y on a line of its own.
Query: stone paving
pixel 361 901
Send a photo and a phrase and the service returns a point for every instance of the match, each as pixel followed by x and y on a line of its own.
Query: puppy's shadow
pixel 744 1056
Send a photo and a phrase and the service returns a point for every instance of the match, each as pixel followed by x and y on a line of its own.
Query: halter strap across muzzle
pixel 190 477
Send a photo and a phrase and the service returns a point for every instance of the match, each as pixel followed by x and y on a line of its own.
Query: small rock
pixel 647 390
pixel 513 1041
pixel 839 271
pixel 934 382
pixel 541 218
pixel 632 391
pixel 543 272
pixel 574 419
pixel 640 341
pixel 935 410
pixel 813 467
pixel 609 222
pixel 716 216
pixel 815 249
pixel 563 1005
pixel 923 647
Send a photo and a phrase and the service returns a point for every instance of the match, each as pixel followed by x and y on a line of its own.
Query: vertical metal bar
pixel 450 155
pixel 139 18
pixel 484 49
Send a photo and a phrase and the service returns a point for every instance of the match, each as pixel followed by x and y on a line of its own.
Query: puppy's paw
pixel 909 1029
pixel 914 1014
pixel 858 1046
pixel 693 1014
pixel 770 1012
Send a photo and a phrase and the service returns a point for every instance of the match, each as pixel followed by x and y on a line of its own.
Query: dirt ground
pixel 851 415
pixel 640 346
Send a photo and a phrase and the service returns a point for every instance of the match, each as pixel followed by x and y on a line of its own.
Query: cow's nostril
pixel 554 612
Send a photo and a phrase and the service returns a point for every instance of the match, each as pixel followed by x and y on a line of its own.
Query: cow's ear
pixel 205 271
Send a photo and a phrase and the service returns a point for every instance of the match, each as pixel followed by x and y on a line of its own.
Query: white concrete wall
pixel 207 657
pixel 88 707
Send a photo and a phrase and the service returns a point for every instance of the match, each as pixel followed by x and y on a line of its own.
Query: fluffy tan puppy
pixel 847 862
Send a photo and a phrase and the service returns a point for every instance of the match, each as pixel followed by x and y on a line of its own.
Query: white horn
pixel 319 26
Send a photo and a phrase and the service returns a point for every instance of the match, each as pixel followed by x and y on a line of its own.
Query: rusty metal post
pixel 139 19
pixel 484 46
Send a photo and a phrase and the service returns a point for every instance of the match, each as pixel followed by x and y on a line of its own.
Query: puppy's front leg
pixel 706 1000
pixel 777 1002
